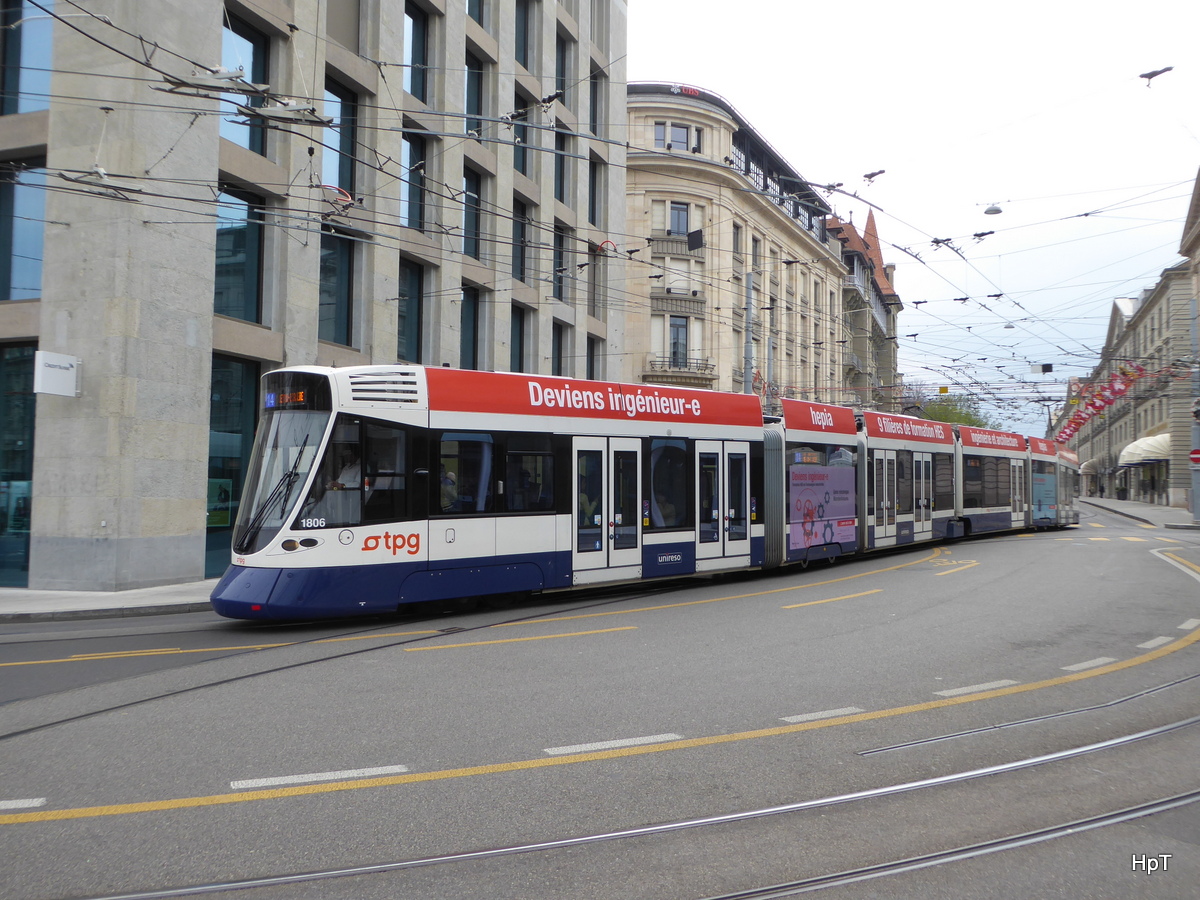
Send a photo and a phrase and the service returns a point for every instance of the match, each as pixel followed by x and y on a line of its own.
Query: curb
pixel 162 609
pixel 1119 512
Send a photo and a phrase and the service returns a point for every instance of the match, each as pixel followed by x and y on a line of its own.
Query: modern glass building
pixel 250 212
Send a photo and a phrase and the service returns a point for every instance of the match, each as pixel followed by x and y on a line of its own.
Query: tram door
pixel 885 493
pixel 607 517
pixel 1020 492
pixel 722 499
pixel 922 495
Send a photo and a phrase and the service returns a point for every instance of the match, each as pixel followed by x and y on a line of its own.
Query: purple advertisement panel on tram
pixel 821 504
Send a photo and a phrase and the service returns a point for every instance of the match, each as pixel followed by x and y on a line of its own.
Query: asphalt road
pixel 187 751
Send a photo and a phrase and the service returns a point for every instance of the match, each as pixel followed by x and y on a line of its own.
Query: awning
pixel 1147 450
pixel 1089 468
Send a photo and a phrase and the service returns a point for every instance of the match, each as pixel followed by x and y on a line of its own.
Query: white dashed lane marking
pixel 971 689
pixel 823 714
pixel 343 775
pixel 1189 624
pixel 1090 664
pixel 1156 642
pixel 612 745
pixel 23 804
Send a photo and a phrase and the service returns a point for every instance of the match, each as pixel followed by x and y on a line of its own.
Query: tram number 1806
pixel 312 523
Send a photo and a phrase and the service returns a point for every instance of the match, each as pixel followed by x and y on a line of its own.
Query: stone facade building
pixel 195 196
pixel 1135 443
pixel 733 242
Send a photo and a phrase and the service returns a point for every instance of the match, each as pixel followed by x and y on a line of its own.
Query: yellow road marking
pixel 1180 559
pixel 1168 540
pixel 1097 525
pixel 540 637
pixel 952 571
pixel 937 551
pixel 126 654
pixel 831 599
pixel 110 653
pixel 121 809
pixel 1098 539
pixel 1139 540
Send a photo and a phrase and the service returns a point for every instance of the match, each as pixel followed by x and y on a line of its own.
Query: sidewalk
pixel 25 605
pixel 1162 516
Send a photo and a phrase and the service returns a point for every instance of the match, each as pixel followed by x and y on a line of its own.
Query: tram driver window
pixel 465 473
pixel 336 495
pixel 386 452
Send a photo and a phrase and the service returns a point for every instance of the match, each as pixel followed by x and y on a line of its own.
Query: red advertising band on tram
pixel 906 428
pixel 990 440
pixel 510 393
pixel 1043 447
pixel 801 415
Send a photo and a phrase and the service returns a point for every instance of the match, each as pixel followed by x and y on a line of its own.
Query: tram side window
pixel 821 482
pixel 465 473
pixel 529 474
pixel 385 490
pixel 987 481
pixel 904 482
pixel 943 481
pixel 972 481
pixel 670 490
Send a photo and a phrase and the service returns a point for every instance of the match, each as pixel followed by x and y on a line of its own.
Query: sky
pixel 1036 107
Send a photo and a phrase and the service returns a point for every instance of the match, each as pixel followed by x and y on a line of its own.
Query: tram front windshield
pixel 284 450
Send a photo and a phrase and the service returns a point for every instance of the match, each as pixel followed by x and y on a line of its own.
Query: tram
pixel 373 487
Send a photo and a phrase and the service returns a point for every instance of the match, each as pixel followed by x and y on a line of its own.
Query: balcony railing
pixel 677 363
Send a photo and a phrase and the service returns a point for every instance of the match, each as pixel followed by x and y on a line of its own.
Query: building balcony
pixel 680 370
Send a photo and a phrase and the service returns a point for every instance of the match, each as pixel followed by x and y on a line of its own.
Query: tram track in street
pixel 806 884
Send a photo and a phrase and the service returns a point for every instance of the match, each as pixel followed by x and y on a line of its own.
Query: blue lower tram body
pixel 329 591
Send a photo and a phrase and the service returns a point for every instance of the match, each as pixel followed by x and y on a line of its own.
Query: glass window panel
pixel 336 287
pixel 590 525
pixel 468 321
pixel 412 188
pixel 472 212
pixel 386 495
pixel 238 285
pixel 337 154
pixel 416 52
pixel 22 229
pixel 17 406
pixel 232 420
pixel 409 311
pixel 739 521
pixel 904 482
pixel 25 51
pixel 529 474
pixel 710 498
pixel 465 476
pixel 670 494
pixel 625 499
pixel 243 48
pixel 474 97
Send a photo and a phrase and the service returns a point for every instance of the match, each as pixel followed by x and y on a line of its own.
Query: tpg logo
pixel 821 418
pixel 410 544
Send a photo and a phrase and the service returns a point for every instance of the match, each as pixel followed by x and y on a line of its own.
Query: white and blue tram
pixel 377 486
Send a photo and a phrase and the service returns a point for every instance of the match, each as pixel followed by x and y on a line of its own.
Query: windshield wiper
pixel 284 485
